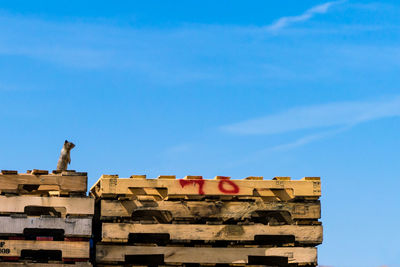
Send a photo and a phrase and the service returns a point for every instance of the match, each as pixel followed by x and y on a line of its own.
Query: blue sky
pixel 290 88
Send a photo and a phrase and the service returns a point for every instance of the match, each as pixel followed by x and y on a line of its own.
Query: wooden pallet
pixel 63 249
pixel 63 206
pixel 194 187
pixel 205 265
pixel 277 264
pixel 68 227
pixel 178 255
pixel 196 211
pixel 120 232
pixel 43 183
pixel 34 264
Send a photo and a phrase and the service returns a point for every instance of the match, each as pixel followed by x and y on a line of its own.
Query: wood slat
pixel 172 255
pixel 8 172
pixel 224 210
pixel 39 172
pixel 185 265
pixel 167 188
pixel 74 227
pixel 119 232
pixel 13 248
pixel 76 206
pixel 35 264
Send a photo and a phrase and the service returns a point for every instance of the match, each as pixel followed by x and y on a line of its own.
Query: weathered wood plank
pixel 13 248
pixel 119 232
pixel 113 253
pixel 66 205
pixel 29 183
pixel 76 227
pixel 35 264
pixel 167 188
pixel 8 172
pixel 185 264
pixel 224 210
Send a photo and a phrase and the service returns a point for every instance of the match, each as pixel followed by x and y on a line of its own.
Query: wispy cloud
pixel 308 14
pixel 318 116
pixel 306 139
pixel 161 55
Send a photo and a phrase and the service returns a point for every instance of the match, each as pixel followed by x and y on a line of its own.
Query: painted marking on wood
pixel 232 187
pixel 225 186
pixel 200 183
pixel 2 249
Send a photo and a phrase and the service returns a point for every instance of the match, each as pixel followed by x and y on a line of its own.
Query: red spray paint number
pixel 224 186
pixel 232 187
pixel 193 182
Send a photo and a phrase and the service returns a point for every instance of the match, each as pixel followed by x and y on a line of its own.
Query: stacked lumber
pixel 45 218
pixel 168 221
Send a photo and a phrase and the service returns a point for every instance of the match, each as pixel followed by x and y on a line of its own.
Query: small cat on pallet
pixel 65 157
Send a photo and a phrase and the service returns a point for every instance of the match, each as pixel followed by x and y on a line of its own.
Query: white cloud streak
pixel 308 14
pixel 161 56
pixel 318 116
pixel 306 139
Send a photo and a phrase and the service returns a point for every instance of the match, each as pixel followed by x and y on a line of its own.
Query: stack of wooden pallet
pixel 168 221
pixel 45 219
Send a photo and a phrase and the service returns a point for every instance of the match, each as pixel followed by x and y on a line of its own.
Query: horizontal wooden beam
pixel 172 255
pixel 13 248
pixel 31 183
pixel 224 210
pixel 119 232
pixel 36 264
pixel 67 205
pixel 77 227
pixel 170 188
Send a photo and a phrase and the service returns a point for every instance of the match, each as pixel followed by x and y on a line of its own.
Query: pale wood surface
pixel 78 227
pixel 31 264
pixel 209 209
pixel 112 253
pixel 13 248
pixel 167 188
pixel 185 264
pixel 67 205
pixel 64 182
pixel 119 232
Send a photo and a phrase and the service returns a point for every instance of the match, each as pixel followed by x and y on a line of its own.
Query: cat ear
pixel 66 141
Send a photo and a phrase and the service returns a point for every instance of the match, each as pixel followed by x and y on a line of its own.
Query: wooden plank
pixel 191 210
pixel 202 265
pixel 13 248
pixel 119 232
pixel 185 265
pixel 76 206
pixel 8 172
pixel 39 172
pixel 26 182
pixel 167 188
pixel 113 253
pixel 35 264
pixel 76 227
